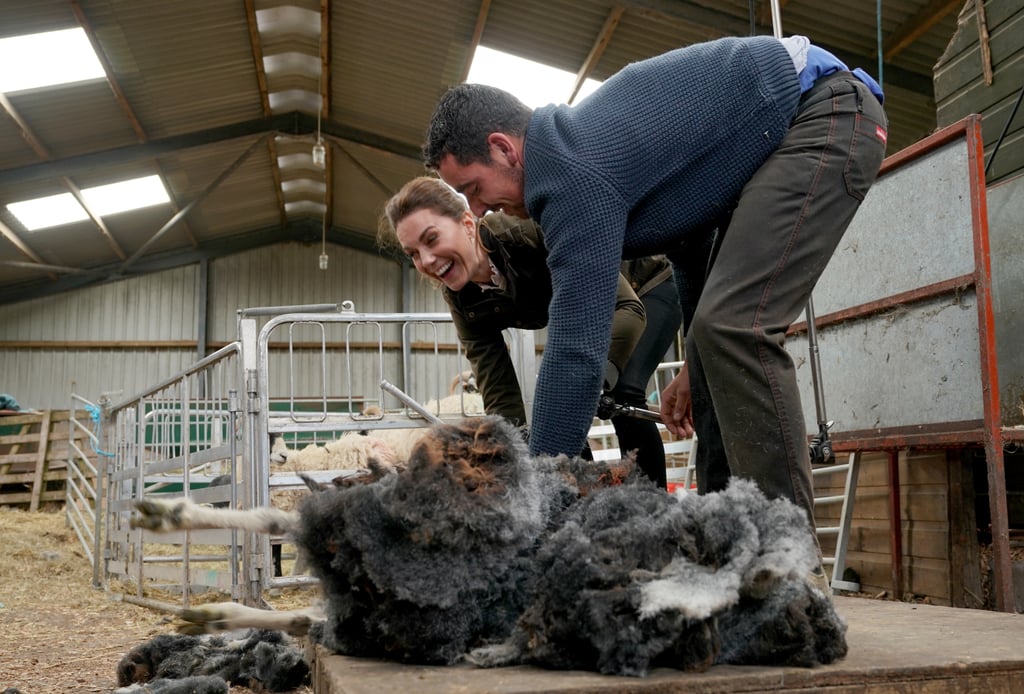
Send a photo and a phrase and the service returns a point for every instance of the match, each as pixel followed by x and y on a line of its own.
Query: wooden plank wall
pixel 960 82
pixel 33 457
pixel 941 553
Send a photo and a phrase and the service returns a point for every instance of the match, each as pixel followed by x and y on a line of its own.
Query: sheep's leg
pixel 301 565
pixel 228 616
pixel 166 515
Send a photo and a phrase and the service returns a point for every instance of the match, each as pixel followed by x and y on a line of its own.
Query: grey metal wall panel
pixel 162 308
pixel 918 363
pixel 1006 234
pixel 425 297
pixel 961 88
pixel 148 307
pixel 45 379
pixel 913 229
pixel 288 274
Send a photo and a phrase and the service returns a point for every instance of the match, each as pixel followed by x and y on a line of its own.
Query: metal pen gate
pixel 306 376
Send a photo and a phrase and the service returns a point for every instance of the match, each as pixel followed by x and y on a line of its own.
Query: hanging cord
pixel 94 415
pixel 878 39
pixel 1006 127
pixel 319 143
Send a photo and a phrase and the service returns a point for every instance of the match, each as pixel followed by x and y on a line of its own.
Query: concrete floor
pixel 894 647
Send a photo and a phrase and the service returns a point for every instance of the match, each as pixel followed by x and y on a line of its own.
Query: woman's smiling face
pixel 443 248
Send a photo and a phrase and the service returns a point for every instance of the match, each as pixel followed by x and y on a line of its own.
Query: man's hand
pixel 677 405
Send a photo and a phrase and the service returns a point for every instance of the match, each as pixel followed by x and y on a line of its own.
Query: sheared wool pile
pixel 476 548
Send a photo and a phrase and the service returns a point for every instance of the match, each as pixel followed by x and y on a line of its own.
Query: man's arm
pixel 584 221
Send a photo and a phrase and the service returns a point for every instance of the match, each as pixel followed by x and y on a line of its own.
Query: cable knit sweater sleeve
pixel 584 278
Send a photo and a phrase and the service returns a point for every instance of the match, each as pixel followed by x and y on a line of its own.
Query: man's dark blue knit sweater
pixel 661 150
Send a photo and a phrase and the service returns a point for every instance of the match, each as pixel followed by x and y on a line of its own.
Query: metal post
pixel 776 20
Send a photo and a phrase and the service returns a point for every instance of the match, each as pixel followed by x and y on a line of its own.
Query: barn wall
pixel 960 87
pixel 934 509
pixel 158 306
pixel 124 336
pixel 288 275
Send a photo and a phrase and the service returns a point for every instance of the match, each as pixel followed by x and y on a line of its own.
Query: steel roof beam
pixel 293 123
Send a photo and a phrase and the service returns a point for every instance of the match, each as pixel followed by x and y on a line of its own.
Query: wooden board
pixel 33 459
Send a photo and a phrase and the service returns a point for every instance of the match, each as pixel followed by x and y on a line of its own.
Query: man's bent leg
pixel 787 224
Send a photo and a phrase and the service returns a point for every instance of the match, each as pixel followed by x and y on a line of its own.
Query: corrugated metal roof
pixel 35 16
pixel 187 64
pixel 189 83
pixel 89 105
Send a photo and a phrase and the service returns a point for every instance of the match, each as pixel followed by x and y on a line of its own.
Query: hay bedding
pixel 57 633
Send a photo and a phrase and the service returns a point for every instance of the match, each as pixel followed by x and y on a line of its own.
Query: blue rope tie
pixel 94 415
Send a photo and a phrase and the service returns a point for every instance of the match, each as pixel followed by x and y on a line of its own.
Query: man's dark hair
pixel 463 119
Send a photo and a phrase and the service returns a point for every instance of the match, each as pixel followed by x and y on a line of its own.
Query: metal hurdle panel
pixel 172 440
pixel 83 503
pixel 308 376
pixel 316 376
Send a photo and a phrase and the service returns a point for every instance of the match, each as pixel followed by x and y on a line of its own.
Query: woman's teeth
pixel 441 272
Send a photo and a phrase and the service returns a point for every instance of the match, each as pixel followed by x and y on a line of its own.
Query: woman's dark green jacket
pixel 516 247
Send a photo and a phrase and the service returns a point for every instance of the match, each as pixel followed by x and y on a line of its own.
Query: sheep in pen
pixel 353 450
pixel 476 551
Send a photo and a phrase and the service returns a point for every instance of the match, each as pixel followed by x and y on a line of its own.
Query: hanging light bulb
pixel 323 240
pixel 319 155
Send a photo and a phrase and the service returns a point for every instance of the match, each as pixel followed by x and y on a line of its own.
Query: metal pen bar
pixel 815 357
pixel 776 20
pixel 821 448
pixel 408 400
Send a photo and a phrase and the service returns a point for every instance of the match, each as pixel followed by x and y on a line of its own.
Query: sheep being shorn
pixel 353 450
pixel 476 548
pixel 635 578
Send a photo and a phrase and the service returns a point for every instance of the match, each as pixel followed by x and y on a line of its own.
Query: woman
pixel 494 275
pixel 651 279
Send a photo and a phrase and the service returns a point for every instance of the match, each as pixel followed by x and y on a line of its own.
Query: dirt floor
pixel 57 633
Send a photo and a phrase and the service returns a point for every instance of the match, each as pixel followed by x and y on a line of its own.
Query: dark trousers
pixel 661 305
pixel 743 286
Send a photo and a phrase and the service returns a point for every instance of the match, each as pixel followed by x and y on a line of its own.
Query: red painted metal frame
pixel 988 431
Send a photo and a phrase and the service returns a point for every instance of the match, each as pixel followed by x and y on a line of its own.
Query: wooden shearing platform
pixel 894 647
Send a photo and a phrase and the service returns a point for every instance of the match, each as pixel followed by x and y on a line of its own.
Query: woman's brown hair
pixel 422 192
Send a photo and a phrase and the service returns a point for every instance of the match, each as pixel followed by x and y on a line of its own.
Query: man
pixel 745 160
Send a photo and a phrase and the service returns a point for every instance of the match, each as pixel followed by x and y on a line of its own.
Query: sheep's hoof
pixel 155 515
pixel 299 625
pixel 495 655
